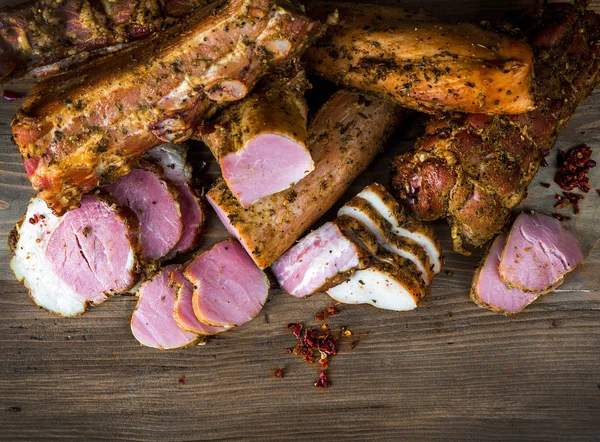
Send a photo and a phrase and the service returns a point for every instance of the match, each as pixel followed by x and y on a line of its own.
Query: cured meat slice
pixel 319 260
pixel 82 257
pixel 402 224
pixel 152 322
pixel 184 311
pixel 90 126
pixel 422 63
pixel 260 142
pixel 539 252
pixel 229 289
pixel 344 137
pixel 154 201
pixel 359 209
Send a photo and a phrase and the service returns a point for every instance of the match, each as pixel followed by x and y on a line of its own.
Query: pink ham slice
pixel 184 311
pixel 152 322
pixel 154 201
pixel 230 289
pixel 539 253
pixel 318 261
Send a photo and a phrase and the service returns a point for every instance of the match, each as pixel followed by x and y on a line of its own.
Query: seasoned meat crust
pixel 420 62
pixel 90 126
pixel 474 168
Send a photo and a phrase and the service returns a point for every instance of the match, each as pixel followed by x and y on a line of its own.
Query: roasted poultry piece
pixel 45 36
pixel 420 62
pixel 474 168
pixel 89 127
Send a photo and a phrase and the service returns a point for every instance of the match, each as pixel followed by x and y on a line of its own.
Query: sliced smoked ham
pixel 344 137
pixel 154 201
pixel 152 322
pixel 229 289
pixel 184 311
pixel 260 142
pixel 318 261
pixel 539 252
pixel 82 257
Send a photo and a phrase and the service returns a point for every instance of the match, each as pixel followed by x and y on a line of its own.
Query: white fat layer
pixel 376 287
pixel 374 229
pixel 31 266
pixel 423 240
pixel 172 159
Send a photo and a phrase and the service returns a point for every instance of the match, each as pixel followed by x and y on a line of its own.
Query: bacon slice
pixel 91 126
pixel 344 137
pixel 422 63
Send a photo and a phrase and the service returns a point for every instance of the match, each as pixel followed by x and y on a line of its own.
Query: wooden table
pixel 448 370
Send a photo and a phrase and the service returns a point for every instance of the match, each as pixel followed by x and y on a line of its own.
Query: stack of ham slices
pixel 371 254
pixel 531 260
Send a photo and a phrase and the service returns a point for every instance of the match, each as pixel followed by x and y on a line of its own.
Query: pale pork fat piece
pixel 90 126
pixel 82 257
pixel 344 137
pixel 152 322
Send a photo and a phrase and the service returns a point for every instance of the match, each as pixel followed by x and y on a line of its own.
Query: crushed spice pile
pixel 573 166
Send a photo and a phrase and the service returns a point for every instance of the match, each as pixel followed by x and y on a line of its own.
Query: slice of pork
pixel 82 257
pixel 152 322
pixel 154 201
pixel 539 252
pixel 403 224
pixel 184 311
pixel 359 209
pixel 229 289
pixel 319 260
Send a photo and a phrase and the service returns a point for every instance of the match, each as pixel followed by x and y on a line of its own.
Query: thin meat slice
pixel 152 322
pixel 183 311
pixel 321 259
pixel 229 289
pixel 402 224
pixel 260 142
pixel 359 209
pixel 539 252
pixel 154 201
pixel 82 257
pixel 344 137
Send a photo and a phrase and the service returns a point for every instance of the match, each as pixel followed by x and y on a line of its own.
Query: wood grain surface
pixel 445 371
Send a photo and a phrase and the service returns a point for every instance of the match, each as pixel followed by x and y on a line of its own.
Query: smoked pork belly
pixel 260 142
pixel 343 138
pixel 422 63
pixel 80 258
pixel 90 126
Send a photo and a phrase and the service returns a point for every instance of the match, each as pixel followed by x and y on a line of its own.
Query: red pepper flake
pixel 546 185
pixel 11 95
pixel 329 311
pixel 322 382
pixel 354 344
pixel 573 165
pixel 34 219
pixel 560 217
pixel 182 380
pixel 326 344
pixel 279 373
pixel 296 329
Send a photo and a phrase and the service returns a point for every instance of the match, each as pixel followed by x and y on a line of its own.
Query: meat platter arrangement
pixel 123 85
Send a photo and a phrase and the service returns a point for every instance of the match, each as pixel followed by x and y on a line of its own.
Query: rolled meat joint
pixel 472 169
pixel 152 322
pixel 422 63
pixel 42 37
pixel 78 259
pixel 229 289
pixel 260 142
pixel 91 126
pixel 344 137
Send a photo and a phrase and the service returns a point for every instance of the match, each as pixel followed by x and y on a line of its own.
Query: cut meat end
pixel 489 291
pixel 381 285
pixel 229 289
pixel 363 212
pixel 152 322
pixel 154 201
pixel 172 159
pixel 192 217
pixel 539 252
pixel 402 224
pixel 184 311
pixel 67 262
pixel 321 259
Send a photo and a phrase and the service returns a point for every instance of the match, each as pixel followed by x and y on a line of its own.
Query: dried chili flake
pixel 327 344
pixel 573 165
pixel 329 311
pixel 322 382
pixel 296 328
pixel 279 373
pixel 34 219
pixel 11 95
pixel 354 344
pixel 546 185
pixel 182 380
pixel 560 217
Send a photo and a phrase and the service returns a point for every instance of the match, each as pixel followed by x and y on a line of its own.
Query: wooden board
pixel 448 370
